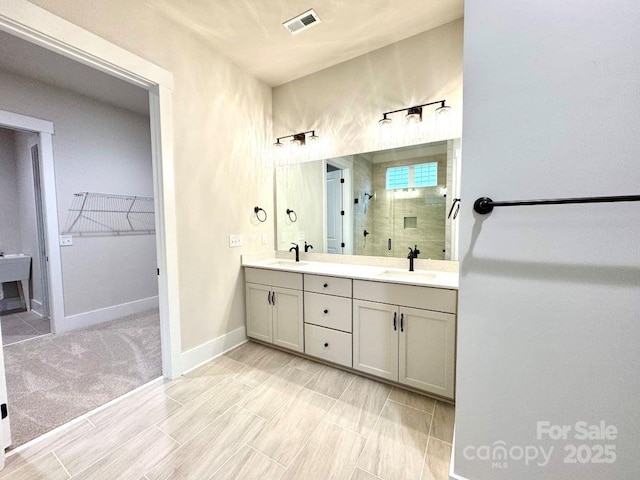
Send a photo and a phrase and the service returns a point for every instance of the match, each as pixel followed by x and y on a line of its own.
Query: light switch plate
pixel 66 240
pixel 235 241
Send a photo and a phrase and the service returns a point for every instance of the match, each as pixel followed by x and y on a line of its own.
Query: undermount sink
pixel 407 276
pixel 287 263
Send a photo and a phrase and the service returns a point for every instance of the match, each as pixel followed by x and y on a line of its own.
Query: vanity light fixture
pixel 414 114
pixel 298 138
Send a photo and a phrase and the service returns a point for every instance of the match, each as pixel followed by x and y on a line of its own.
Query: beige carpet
pixel 54 379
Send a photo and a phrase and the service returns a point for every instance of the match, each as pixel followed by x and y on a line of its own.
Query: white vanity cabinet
pixel 394 340
pixel 327 317
pixel 274 302
pixel 400 332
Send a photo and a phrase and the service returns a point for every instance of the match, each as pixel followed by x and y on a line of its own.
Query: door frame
pixel 36 25
pixel 346 166
pixel 41 225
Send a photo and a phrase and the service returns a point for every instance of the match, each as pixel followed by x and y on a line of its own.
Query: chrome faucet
pixel 295 248
pixel 307 246
pixel 413 253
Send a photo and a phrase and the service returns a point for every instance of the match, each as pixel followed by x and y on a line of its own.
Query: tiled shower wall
pixel 386 213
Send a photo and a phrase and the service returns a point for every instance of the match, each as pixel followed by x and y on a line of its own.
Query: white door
pixel 259 312
pixel 334 209
pixel 288 318
pixel 5 430
pixel 41 271
pixel 427 350
pixel 375 338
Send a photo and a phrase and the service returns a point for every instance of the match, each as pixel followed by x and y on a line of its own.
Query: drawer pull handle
pixel 326 344
pixel 395 324
pixel 326 311
pixel 402 322
pixel 325 285
pixel 269 297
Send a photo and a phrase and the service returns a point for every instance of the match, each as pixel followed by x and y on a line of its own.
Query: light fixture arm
pixel 297 135
pixel 441 102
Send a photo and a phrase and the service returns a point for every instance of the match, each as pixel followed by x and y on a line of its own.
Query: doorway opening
pixel 84 49
pixel 24 292
pixel 338 208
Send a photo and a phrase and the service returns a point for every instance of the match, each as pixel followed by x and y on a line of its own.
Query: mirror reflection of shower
pixel 400 197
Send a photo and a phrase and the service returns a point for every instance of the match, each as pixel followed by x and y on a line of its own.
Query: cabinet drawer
pixel 328 311
pixel 428 298
pixel 273 278
pixel 329 285
pixel 329 345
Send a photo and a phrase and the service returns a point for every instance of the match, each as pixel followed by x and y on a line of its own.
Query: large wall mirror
pixel 376 203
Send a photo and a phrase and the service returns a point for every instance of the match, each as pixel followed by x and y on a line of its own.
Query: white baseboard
pixel 94 317
pixel 36 307
pixel 452 475
pixel 206 352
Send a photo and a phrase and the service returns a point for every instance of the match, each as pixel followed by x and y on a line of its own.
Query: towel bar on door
pixel 485 205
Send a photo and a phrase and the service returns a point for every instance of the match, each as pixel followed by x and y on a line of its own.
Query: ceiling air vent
pixel 302 22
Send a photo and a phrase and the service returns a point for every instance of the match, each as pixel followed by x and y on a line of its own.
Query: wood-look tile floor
pixel 253 413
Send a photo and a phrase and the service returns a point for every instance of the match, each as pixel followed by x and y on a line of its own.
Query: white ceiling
pixel 250 32
pixel 23 58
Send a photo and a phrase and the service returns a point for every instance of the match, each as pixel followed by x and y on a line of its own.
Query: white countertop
pixel 428 278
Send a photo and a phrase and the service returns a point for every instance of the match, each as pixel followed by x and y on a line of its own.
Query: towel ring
pixel 257 211
pixel 293 216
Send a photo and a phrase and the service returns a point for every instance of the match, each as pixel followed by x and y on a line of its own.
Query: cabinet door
pixel 427 350
pixel 259 312
pixel 375 339
pixel 288 329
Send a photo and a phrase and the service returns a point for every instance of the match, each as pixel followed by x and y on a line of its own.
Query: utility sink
pixel 14 268
pixel 405 275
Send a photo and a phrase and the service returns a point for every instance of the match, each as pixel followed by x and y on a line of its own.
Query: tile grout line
pixel 110 451
pixel 266 456
pixel 91 423
pixel 345 429
pixel 342 394
pixel 60 462
pixel 374 428
pixel 425 457
pixel 409 406
pixel 367 471
pixel 165 433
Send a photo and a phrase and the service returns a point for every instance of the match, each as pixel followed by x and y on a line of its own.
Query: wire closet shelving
pixel 108 214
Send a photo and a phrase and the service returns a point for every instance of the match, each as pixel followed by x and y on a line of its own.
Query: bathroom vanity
pixel 390 323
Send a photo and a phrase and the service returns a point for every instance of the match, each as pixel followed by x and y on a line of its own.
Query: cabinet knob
pixel 326 344
pixel 326 311
pixel 325 285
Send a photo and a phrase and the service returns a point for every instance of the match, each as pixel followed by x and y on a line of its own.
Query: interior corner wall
pixel 97 148
pixel 9 215
pixel 221 121
pixel 549 296
pixel 300 187
pixel 343 103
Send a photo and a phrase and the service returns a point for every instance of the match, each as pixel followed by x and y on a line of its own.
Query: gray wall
pixel 550 295
pixel 97 148
pixel 9 215
pixel 17 210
